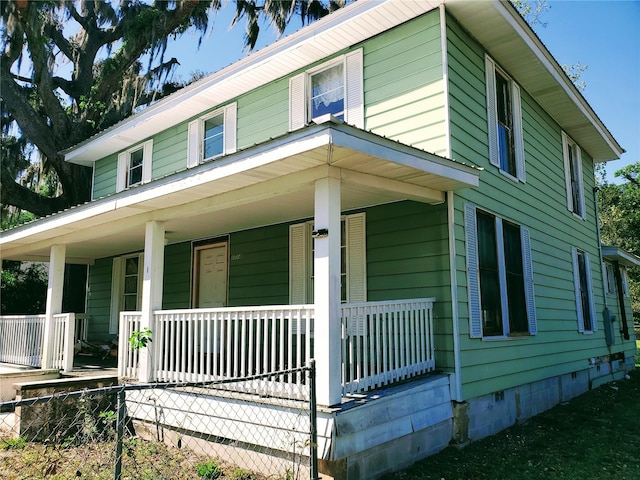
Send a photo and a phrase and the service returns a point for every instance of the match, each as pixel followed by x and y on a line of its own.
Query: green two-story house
pixel 402 190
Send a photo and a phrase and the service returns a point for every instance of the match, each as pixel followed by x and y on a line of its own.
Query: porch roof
pixel 266 184
pixel 621 256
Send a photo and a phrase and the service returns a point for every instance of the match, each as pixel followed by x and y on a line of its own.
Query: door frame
pixel 197 247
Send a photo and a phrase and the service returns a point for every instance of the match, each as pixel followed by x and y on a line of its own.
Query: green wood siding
pixel 540 205
pixel 259 266
pixel 408 257
pixel 263 113
pixel 99 299
pixel 104 176
pixel 169 151
pixel 403 84
pixel 176 291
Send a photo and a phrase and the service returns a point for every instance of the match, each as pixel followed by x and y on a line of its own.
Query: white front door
pixel 210 289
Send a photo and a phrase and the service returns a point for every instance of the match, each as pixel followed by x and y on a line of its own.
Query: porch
pixel 380 343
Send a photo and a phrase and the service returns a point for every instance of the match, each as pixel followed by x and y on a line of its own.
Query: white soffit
pixel 338 31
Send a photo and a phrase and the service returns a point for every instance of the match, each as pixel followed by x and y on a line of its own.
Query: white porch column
pixel 326 292
pixel 151 292
pixel 54 301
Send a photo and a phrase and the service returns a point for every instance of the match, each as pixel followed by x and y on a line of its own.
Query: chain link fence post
pixel 313 420
pixel 117 470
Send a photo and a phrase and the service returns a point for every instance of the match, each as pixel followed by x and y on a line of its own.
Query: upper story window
pixel 134 166
pixel 335 88
pixel 327 92
pixel 500 276
pixel 504 114
pixel 573 176
pixel 212 135
pixel 584 295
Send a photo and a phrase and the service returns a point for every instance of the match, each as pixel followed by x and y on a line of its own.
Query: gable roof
pixel 496 25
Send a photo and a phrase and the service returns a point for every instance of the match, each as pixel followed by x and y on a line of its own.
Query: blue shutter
pixel 492 114
pixel 473 279
pixel 527 266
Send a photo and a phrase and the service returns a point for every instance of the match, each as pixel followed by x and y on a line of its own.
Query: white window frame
pixel 195 135
pixel 300 91
pixel 301 260
pixel 575 252
pixel 569 146
pixel 492 118
pixel 124 161
pixel 117 288
pixel 473 278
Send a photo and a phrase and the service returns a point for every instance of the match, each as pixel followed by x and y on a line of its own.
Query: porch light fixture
pixel 320 233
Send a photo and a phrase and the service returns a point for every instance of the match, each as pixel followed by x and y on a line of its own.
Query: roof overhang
pixel 266 184
pixel 496 25
pixel 616 254
pixel 507 37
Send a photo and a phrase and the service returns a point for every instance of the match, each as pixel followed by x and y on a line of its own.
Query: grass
pixel 595 436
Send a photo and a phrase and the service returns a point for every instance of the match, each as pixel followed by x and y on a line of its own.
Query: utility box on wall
pixel 609 332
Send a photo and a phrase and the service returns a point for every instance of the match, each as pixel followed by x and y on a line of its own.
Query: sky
pixel 604 35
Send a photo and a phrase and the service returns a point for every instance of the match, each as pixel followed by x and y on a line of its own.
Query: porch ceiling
pixel 266 184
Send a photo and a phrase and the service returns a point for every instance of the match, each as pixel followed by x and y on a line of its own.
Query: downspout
pixel 457 387
pixel 595 205
pixel 606 314
pixel 457 390
pixel 623 311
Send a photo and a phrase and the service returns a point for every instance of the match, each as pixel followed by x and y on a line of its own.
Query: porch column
pixel 326 291
pixel 151 293
pixel 54 301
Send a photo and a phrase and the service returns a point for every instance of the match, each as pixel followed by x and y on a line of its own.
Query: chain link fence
pixel 164 431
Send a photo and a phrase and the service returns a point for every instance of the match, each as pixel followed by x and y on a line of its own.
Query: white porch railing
pixel 381 342
pixel 22 337
pixel 224 343
pixel 385 342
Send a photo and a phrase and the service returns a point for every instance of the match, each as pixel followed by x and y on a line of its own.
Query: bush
pixel 208 470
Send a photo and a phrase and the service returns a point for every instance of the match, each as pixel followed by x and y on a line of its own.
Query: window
pixel 625 281
pixel 332 88
pixel 610 278
pixel 134 166
pixel 126 287
pixel 584 296
pixel 504 114
pixel 212 136
pixel 353 287
pixel 327 92
pixel 573 176
pixel 500 276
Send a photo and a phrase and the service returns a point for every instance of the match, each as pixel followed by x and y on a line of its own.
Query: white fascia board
pixel 281 58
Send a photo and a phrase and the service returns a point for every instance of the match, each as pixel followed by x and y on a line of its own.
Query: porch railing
pixel 385 342
pixel 225 343
pixel 22 337
pixel 381 343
